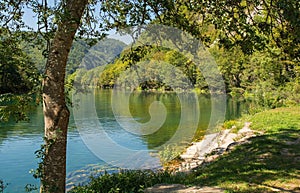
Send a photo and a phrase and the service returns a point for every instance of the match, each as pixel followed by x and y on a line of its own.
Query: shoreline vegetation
pixel 264 156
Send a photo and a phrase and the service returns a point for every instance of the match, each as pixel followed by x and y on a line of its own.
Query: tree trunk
pixel 56 113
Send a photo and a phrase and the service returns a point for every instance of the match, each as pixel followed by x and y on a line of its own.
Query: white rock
pixel 245 129
pixel 193 165
pixel 187 156
pixel 228 140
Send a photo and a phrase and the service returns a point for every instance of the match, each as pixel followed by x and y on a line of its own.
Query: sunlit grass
pixel 269 163
pixel 276 119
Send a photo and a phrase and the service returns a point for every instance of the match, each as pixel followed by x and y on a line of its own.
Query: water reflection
pixel 19 141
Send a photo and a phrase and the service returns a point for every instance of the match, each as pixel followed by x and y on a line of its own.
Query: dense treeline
pixel 265 70
pixel 264 76
pixel 19 79
pixel 256 50
pixel 268 76
pixel 157 60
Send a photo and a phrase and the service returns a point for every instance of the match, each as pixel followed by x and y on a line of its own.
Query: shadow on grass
pixel 268 163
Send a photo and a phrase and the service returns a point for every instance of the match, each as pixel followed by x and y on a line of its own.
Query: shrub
pixel 127 181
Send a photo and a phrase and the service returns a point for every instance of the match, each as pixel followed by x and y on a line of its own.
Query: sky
pixel 31 20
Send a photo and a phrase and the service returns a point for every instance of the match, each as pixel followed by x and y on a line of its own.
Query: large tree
pixel 240 22
pixel 58 23
pixel 56 113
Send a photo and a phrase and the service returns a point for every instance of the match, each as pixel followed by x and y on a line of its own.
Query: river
pixel 104 133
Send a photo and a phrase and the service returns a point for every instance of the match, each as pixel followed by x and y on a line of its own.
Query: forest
pixel 263 76
pixel 267 77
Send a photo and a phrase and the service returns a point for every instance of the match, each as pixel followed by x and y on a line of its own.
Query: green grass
pixel 276 119
pixel 269 163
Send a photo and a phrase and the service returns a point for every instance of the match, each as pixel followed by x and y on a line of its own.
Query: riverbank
pixel 269 162
pixel 263 156
pixel 213 146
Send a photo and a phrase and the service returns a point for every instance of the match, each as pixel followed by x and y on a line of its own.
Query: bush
pixel 127 181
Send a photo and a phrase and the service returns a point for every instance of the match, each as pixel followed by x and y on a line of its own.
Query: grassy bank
pixel 270 162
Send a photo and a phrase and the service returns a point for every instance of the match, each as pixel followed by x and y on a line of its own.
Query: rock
pixel 164 188
pixel 214 145
pixel 231 146
pixel 230 138
pixel 187 156
pixel 211 158
pixel 223 134
pixel 208 143
pixel 193 165
pixel 245 129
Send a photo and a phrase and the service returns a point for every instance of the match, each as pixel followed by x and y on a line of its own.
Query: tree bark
pixel 56 113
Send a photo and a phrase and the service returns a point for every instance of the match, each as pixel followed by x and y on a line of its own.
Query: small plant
pixel 229 124
pixel 30 187
pixel 40 154
pixel 169 153
pixel 3 185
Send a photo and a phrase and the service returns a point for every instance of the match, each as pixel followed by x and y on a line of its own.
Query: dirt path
pixel 179 188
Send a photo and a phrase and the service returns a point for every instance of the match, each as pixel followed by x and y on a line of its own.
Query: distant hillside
pixel 100 54
pixel 107 50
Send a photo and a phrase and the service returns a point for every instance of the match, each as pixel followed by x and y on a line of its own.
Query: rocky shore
pixel 212 146
pixel 203 152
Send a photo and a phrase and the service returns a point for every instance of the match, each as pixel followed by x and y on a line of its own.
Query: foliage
pixel 3 185
pixel 105 51
pixel 40 154
pixel 31 188
pixel 127 181
pixel 19 80
pixel 251 25
pixel 169 153
pixel 17 71
pixel 127 58
pixel 229 124
pixel 149 67
pixel 15 106
pixel 264 77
